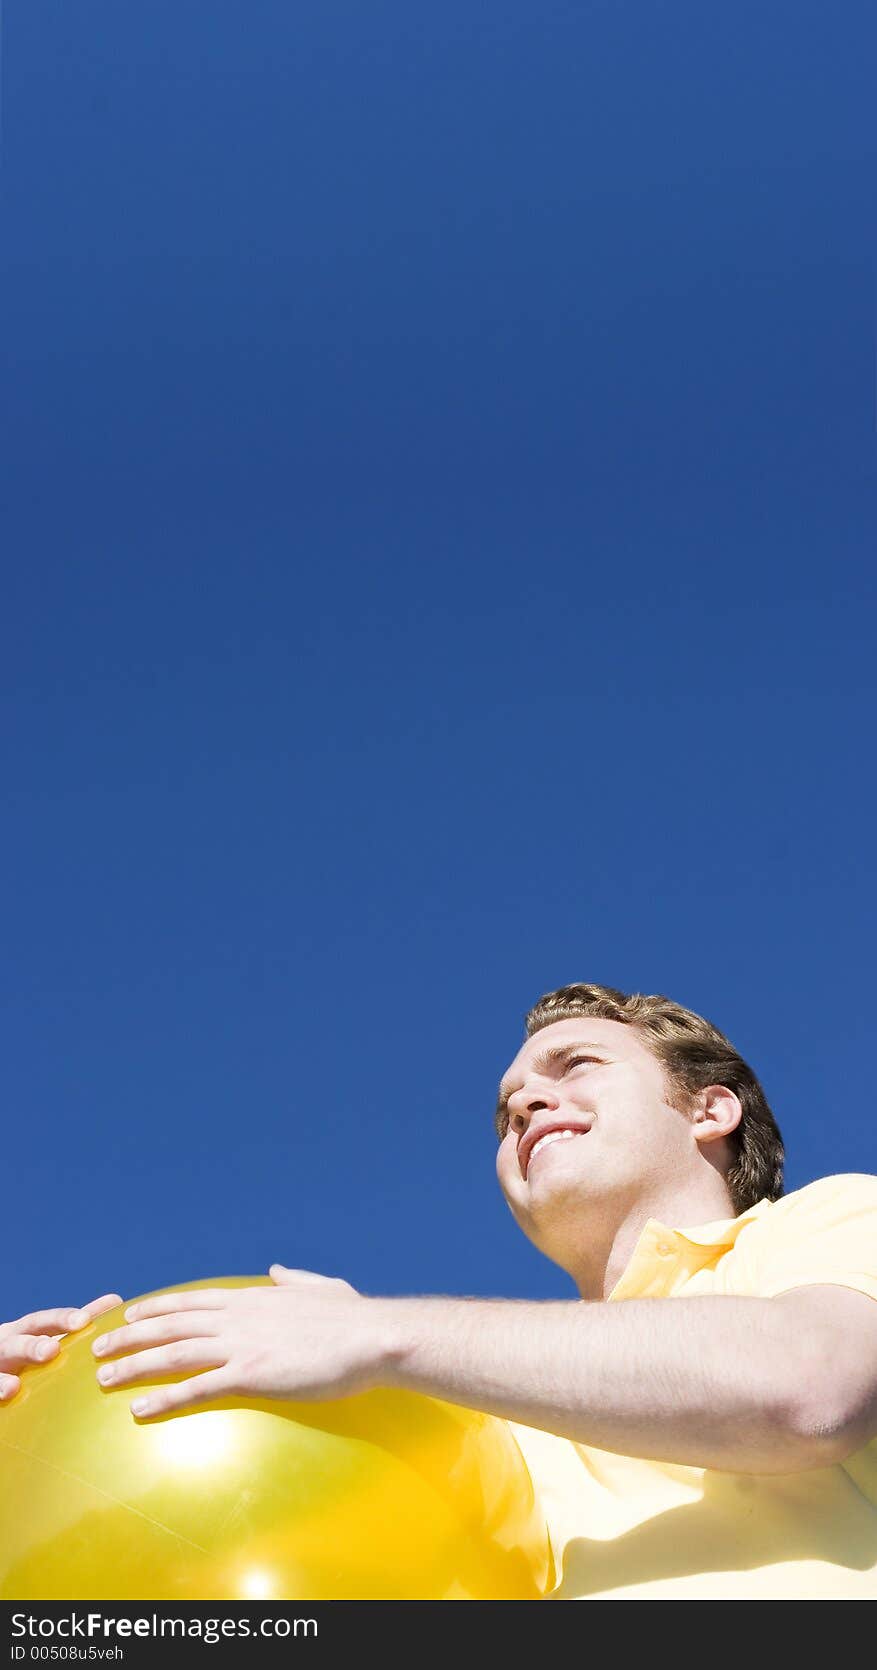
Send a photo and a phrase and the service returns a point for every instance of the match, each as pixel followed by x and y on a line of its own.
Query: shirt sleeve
pixel 824 1233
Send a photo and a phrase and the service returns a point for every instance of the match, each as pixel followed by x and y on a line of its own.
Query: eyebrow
pixel 543 1062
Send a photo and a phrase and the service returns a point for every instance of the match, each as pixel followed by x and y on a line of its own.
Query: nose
pixel 530 1099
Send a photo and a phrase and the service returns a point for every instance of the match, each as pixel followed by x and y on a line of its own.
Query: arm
pixel 738 1384
pixel 743 1385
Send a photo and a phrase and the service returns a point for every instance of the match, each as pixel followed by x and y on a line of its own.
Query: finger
pixel 283 1277
pixel 189 1394
pixel 164 1359
pixel 282 1273
pixel 158 1330
pixel 22 1350
pixel 58 1321
pixel 96 1307
pixel 207 1298
pixel 9 1385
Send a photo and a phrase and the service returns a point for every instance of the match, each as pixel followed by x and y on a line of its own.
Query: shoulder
pixel 846 1195
pixel 826 1231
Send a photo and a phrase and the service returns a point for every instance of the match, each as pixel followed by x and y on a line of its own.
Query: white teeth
pixel 550 1136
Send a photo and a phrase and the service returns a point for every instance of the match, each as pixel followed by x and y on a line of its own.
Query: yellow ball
pixel 387 1495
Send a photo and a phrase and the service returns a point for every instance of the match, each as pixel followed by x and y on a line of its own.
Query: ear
pixel 716 1114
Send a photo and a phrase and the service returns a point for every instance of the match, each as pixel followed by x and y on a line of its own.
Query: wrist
pixel 392 1337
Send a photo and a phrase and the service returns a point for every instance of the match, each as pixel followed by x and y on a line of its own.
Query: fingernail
pixel 99 1346
pixel 140 1406
pixel 106 1373
pixel 76 1319
pixel 45 1349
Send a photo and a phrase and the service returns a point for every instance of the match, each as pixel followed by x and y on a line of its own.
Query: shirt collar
pixel 722 1233
pixel 665 1258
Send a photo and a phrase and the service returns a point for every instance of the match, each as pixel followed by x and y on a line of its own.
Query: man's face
pixel 587 1133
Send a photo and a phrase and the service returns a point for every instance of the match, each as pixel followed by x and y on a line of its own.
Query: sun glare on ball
pixel 257 1585
pixel 196 1440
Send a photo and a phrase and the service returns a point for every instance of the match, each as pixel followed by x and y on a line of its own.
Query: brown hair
pixel 693 1054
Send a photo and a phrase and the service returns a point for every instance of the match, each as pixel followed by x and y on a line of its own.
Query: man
pixel 721 1446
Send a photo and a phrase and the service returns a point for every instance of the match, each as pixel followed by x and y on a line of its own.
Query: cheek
pixel 507 1168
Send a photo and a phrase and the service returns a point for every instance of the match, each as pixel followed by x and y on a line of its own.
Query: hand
pixel 308 1337
pixel 35 1338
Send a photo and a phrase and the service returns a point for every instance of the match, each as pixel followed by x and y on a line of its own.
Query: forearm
pixel 705 1382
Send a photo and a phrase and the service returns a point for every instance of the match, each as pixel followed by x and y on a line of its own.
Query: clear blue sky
pixel 439 528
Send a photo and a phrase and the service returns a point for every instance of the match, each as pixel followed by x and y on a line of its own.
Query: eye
pixel 577 1060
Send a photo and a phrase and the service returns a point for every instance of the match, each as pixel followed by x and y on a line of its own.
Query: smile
pixel 545 1142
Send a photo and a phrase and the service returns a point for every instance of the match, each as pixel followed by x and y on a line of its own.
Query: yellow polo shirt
pixel 627 1529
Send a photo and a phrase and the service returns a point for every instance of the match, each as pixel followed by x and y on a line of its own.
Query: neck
pixel 597 1266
